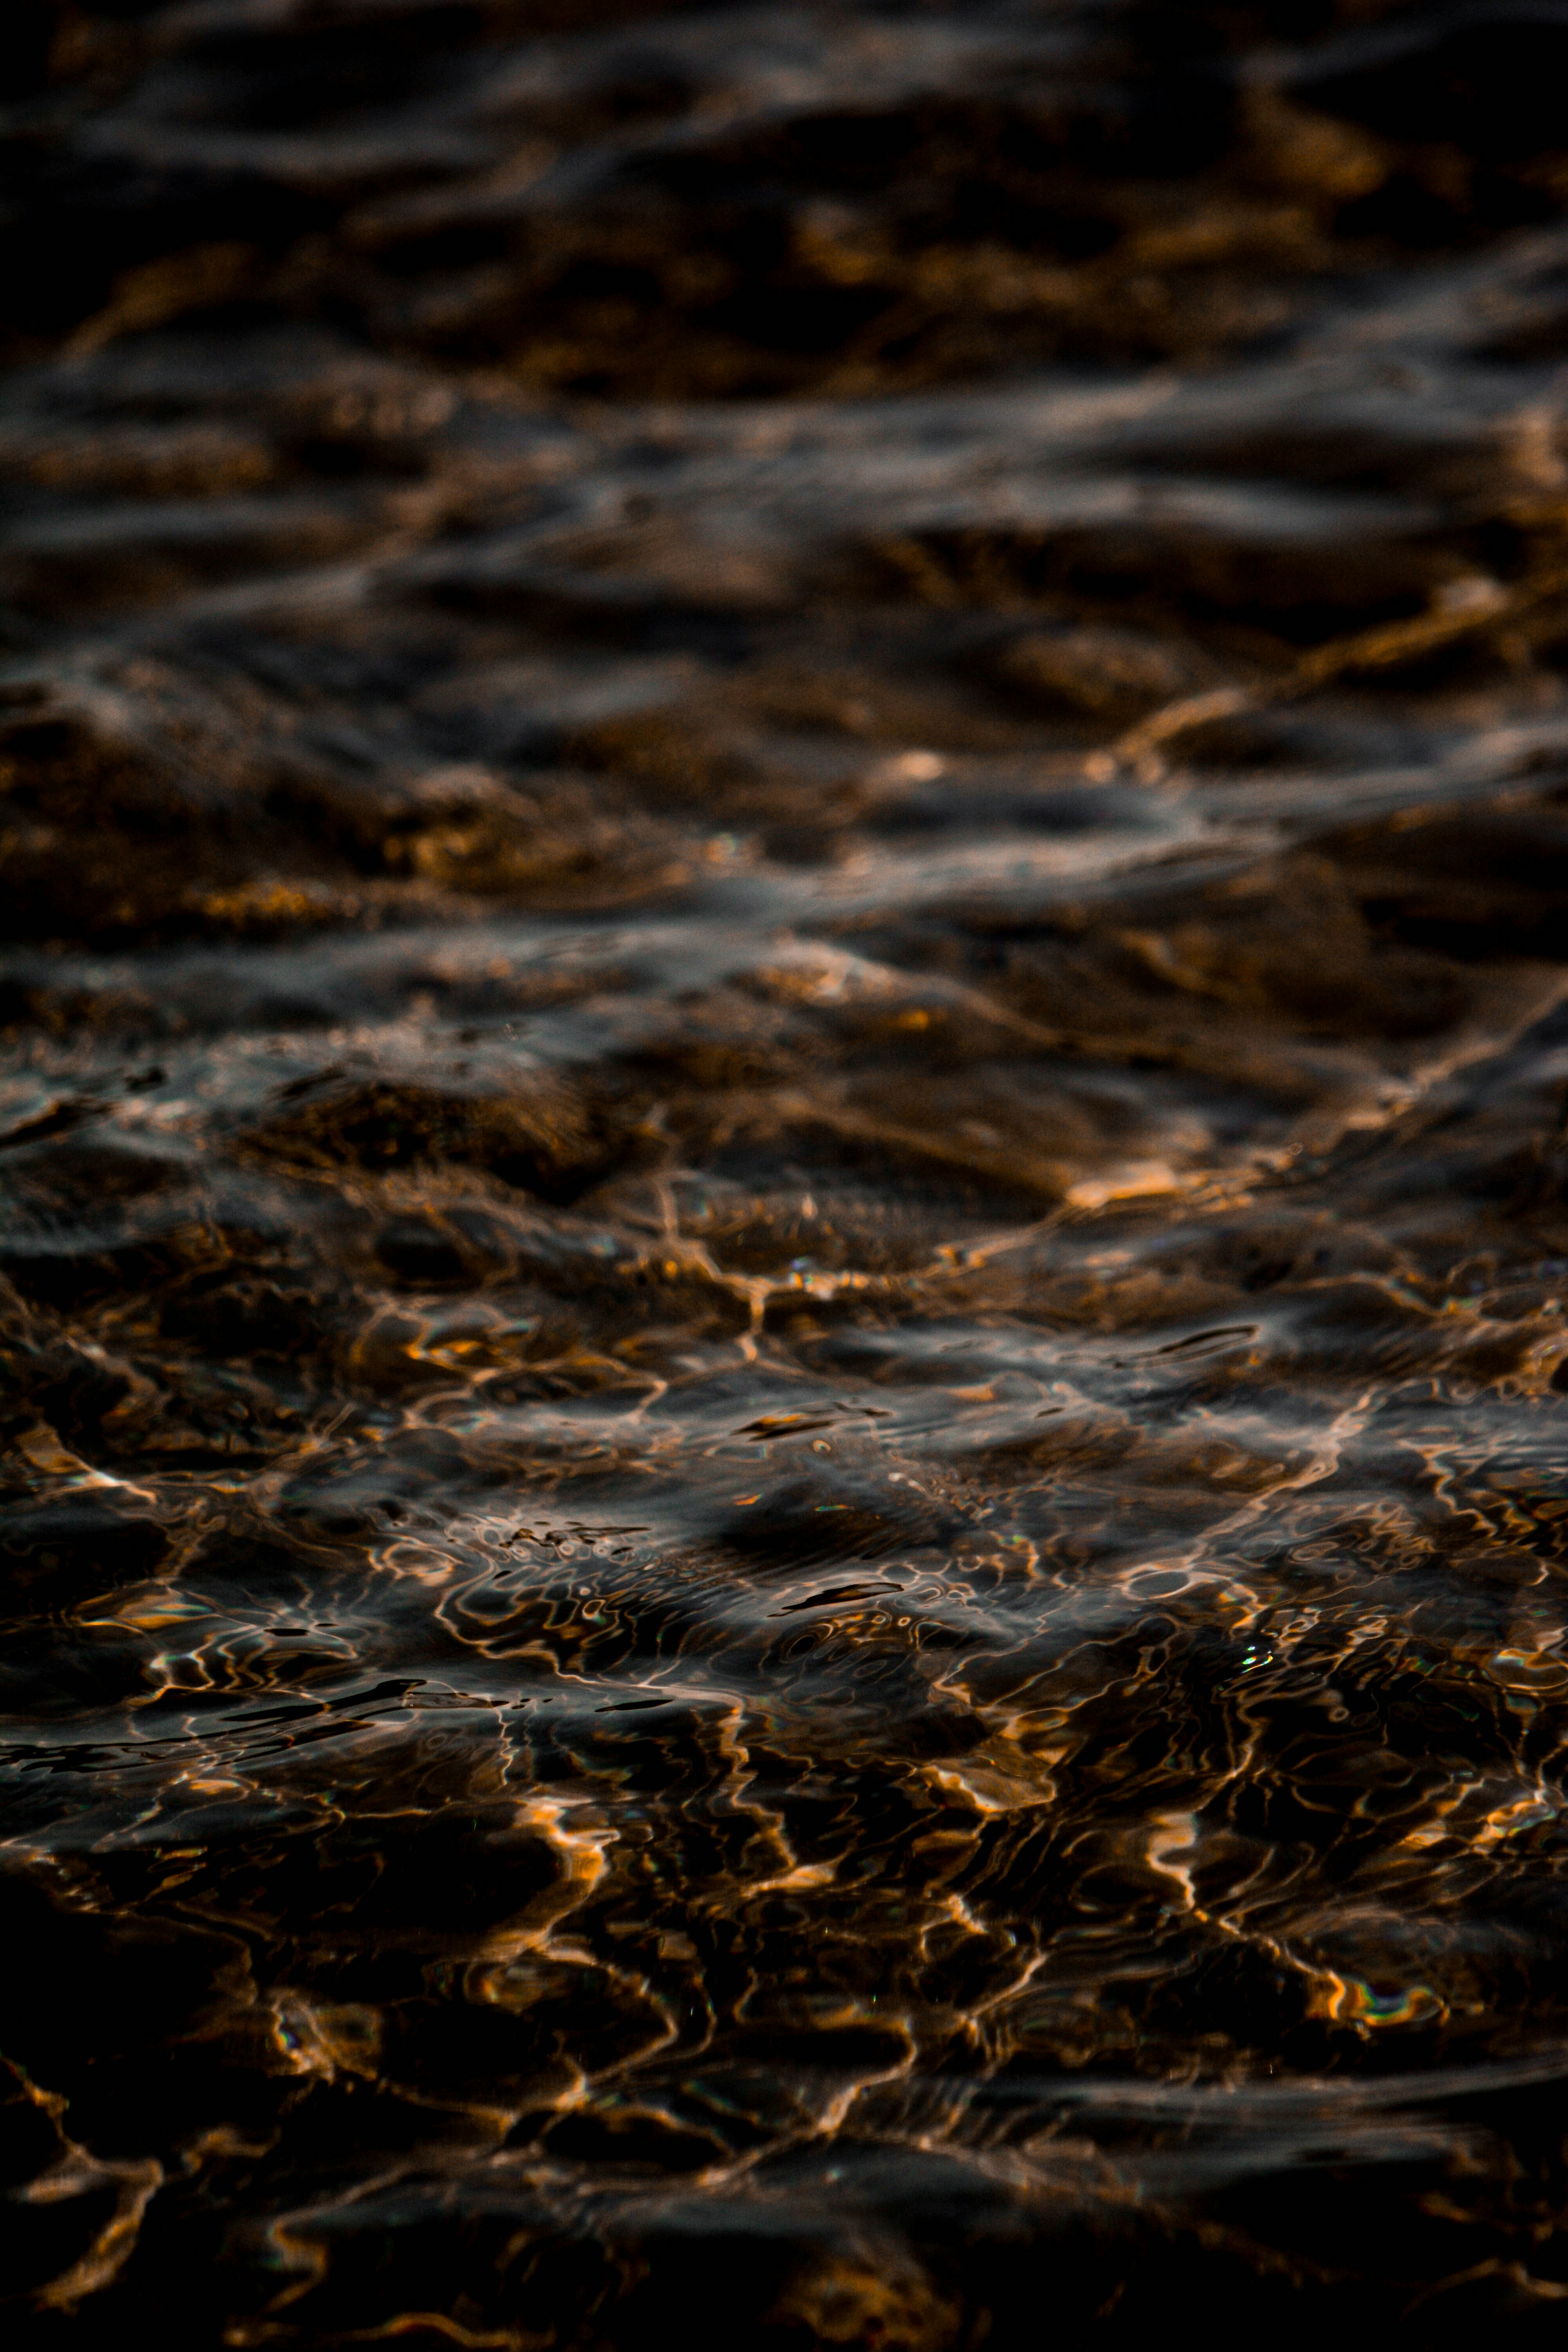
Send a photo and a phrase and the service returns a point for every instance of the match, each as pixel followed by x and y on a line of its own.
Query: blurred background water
pixel 783 1136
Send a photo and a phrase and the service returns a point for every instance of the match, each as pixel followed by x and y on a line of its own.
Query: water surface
pixel 784 1153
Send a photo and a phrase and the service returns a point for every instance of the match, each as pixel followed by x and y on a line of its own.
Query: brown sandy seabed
pixel 786 1017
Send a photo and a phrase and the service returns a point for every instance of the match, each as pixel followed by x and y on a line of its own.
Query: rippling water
pixel 784 1167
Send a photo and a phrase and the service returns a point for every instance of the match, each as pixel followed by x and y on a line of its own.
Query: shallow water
pixel 784 1148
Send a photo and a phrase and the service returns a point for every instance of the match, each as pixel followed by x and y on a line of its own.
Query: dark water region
pixel 784 1165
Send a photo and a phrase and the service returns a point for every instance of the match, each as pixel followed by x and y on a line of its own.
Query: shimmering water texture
pixel 785 1176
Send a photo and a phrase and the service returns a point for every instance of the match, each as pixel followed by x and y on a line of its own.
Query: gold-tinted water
pixel 783 1172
